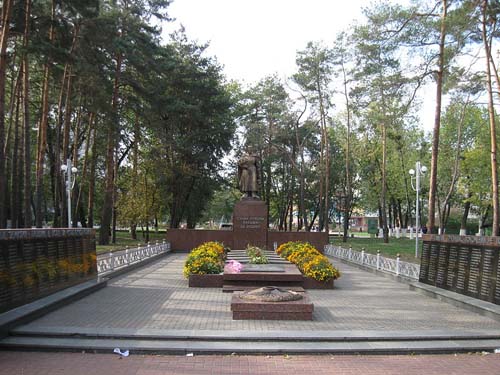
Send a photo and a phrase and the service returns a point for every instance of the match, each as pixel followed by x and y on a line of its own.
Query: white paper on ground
pixel 125 353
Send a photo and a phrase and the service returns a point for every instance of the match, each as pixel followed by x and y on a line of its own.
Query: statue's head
pixel 251 150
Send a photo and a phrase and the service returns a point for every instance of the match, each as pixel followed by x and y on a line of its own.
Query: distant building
pixel 360 223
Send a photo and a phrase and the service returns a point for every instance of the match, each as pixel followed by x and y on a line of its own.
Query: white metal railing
pixel 378 262
pixel 124 258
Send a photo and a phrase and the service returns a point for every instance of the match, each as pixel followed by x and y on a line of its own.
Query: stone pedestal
pixel 249 223
pixel 256 310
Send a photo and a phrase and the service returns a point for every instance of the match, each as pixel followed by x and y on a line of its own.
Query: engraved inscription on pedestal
pixel 249 223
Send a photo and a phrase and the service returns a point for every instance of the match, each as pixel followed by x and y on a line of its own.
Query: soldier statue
pixel 249 175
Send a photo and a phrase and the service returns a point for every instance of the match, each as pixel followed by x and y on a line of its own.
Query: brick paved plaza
pixel 23 363
pixel 157 298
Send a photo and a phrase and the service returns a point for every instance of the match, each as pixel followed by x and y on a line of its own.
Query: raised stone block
pixel 206 281
pixel 256 310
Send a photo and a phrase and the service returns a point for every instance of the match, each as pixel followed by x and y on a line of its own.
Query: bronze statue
pixel 249 175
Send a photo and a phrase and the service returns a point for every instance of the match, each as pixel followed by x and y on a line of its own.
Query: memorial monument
pixel 250 219
pixel 249 175
pixel 250 215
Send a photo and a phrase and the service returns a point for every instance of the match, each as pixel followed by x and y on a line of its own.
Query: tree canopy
pixel 154 127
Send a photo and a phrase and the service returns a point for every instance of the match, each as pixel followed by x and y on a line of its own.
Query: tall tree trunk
pixel 348 178
pixel 491 113
pixel 383 197
pixel 299 147
pixel 107 207
pixel 321 181
pixel 63 131
pixel 10 151
pixel 291 190
pixel 115 193
pixel 465 216
pixel 60 210
pixel 93 160
pixel 135 169
pixel 73 220
pixel 16 176
pixel 437 121
pixel 324 162
pixel 83 175
pixel 6 13
pixel 443 217
pixel 42 130
pixel 26 119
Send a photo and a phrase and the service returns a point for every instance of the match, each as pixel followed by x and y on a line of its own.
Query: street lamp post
pixel 69 170
pixel 417 172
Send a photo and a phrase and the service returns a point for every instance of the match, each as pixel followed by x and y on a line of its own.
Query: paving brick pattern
pixel 157 297
pixel 19 363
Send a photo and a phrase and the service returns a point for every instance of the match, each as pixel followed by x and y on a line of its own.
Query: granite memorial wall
pixel 37 262
pixel 467 265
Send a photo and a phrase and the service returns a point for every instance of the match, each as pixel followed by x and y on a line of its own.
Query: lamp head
pixel 412 171
pixel 64 167
pixel 74 170
pixel 423 169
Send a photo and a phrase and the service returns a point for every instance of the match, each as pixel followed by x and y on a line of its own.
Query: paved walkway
pixel 19 363
pixel 157 297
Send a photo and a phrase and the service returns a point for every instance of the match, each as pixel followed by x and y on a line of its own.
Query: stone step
pixel 254 284
pixel 243 252
pixel 271 261
pixel 136 346
pixel 244 335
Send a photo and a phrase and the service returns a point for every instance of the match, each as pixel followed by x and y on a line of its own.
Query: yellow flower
pixel 309 260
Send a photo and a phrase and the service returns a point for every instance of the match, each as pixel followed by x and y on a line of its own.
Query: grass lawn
pixel 124 239
pixel 404 246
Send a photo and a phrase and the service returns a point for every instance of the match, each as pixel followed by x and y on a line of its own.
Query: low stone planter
pixel 309 283
pixel 206 281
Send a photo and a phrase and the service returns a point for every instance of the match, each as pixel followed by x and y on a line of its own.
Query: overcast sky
pixel 256 38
